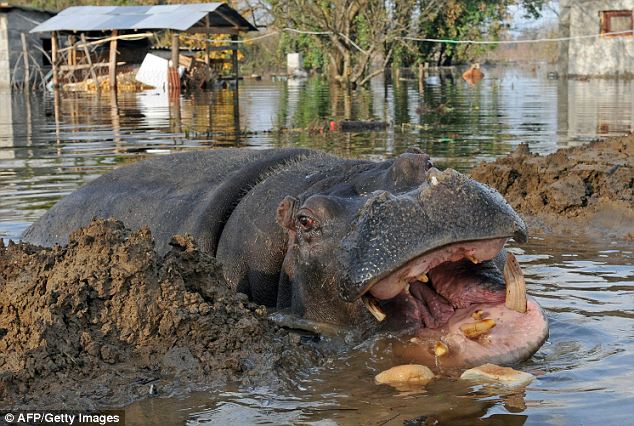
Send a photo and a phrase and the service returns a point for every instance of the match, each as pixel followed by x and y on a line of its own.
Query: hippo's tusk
pixel 515 285
pixel 440 349
pixel 472 258
pixel 476 329
pixel 374 308
pixel 423 278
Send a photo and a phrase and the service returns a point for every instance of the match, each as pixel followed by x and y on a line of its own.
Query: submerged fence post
pixel 27 71
pixel 113 61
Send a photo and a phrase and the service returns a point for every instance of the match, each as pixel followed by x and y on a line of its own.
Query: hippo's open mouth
pixel 458 304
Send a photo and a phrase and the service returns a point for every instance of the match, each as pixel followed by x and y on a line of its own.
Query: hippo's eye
pixel 307 223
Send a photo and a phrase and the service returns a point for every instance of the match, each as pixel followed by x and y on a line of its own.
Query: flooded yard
pixel 50 146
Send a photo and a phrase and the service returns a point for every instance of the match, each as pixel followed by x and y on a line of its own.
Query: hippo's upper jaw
pixel 431 262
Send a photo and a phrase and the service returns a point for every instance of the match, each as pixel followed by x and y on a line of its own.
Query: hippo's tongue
pixel 426 291
pixel 415 269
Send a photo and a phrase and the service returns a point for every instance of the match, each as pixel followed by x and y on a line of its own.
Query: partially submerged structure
pixel 21 54
pixel 88 29
pixel 601 38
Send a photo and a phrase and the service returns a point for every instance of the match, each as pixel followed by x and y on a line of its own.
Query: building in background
pixel 14 21
pixel 602 39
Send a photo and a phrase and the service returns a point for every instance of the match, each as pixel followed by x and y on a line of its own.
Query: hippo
pixel 395 246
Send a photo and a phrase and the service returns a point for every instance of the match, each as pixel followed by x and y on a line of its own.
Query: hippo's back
pixel 191 192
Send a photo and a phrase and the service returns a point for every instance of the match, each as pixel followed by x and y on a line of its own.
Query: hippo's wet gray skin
pixel 332 239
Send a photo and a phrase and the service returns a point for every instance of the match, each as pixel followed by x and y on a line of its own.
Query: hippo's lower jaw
pixel 455 298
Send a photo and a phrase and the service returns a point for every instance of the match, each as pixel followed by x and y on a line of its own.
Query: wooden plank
pixel 175 50
pixel 27 71
pixel 222 48
pixel 89 60
pixel 87 66
pixel 113 61
pixel 134 36
pixel 54 47
pixel 185 61
pixel 72 58
pixel 215 30
pixel 234 61
pixel 206 41
pixel 174 84
pixel 228 19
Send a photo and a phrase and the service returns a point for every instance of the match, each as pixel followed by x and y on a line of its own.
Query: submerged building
pixel 15 21
pixel 601 38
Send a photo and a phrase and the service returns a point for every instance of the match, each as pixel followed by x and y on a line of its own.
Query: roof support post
pixel 54 48
pixel 207 41
pixel 72 58
pixel 173 79
pixel 113 61
pixel 175 50
pixel 234 59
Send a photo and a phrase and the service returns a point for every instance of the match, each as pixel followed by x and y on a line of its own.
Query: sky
pixel 519 22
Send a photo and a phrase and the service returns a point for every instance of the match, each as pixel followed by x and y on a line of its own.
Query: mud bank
pixel 587 189
pixel 98 322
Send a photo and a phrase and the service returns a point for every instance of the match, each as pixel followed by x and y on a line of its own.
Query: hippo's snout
pixel 447 208
pixel 432 260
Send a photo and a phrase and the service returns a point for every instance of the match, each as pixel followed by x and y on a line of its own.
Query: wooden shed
pixel 88 26
pixel 15 40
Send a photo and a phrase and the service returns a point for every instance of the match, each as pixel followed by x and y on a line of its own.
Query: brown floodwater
pixel 50 146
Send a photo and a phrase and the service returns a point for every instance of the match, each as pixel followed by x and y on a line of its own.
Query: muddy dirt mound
pixel 590 186
pixel 99 321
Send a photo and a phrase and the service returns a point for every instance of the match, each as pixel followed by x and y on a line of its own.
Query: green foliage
pixel 468 20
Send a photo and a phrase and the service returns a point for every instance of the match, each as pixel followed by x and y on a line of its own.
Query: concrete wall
pixel 14 22
pixel 4 52
pixel 595 56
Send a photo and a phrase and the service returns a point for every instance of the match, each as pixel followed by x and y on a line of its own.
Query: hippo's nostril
pixel 520 233
pixel 411 166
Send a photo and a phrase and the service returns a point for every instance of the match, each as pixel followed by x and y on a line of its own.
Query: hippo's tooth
pixel 423 278
pixel 473 330
pixel 434 180
pixel 477 315
pixel 407 288
pixel 515 285
pixel 374 308
pixel 472 258
pixel 440 349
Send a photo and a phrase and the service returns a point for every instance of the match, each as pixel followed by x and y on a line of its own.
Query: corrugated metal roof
pixel 179 17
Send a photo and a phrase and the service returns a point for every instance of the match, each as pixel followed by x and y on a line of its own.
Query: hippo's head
pixel 421 251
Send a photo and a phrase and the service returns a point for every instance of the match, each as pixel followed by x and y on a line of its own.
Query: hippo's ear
pixel 285 212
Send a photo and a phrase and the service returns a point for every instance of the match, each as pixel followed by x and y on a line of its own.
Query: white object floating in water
pixel 494 373
pixel 153 71
pixel 411 374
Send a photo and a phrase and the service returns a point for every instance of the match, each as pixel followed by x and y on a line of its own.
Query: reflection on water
pixel 49 146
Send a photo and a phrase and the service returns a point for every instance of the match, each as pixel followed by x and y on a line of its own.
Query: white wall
pixel 4 53
pixel 600 56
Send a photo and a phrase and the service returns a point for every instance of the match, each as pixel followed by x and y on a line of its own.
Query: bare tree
pixel 353 33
